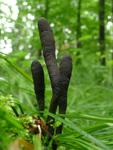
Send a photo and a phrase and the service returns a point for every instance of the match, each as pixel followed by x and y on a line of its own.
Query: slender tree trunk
pixel 78 30
pixel 102 32
pixel 79 24
pixel 46 9
pixel 112 30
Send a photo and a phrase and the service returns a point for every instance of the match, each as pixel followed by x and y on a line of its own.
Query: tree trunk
pixel 78 24
pixel 112 31
pixel 46 9
pixel 102 32
pixel 78 30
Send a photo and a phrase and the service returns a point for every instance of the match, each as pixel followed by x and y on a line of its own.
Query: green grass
pixel 88 123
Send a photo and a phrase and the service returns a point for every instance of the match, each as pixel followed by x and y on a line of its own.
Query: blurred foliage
pixel 88 124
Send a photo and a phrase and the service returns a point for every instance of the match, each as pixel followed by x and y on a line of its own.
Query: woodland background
pixel 84 30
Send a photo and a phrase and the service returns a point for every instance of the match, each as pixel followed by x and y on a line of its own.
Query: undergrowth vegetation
pixel 88 123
